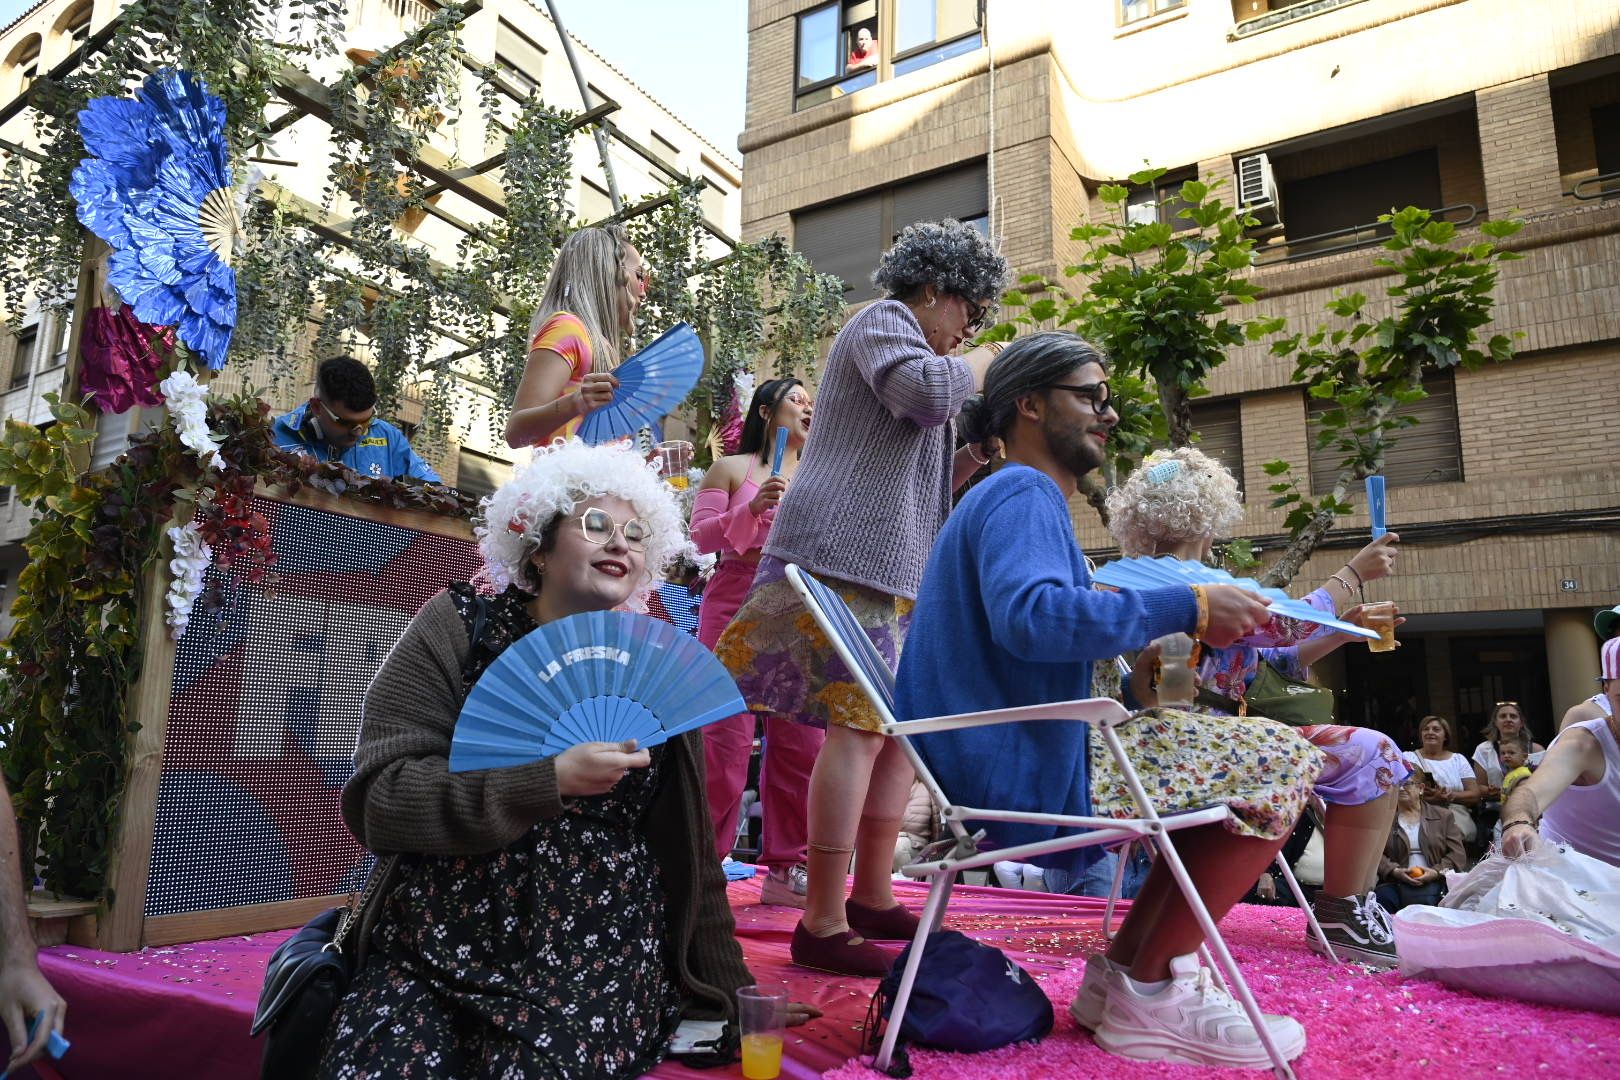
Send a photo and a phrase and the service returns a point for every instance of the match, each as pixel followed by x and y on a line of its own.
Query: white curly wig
pixel 1176 495
pixel 562 477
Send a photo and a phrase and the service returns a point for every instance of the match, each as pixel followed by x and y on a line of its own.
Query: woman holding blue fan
pixel 578 335
pixel 732 517
pixel 555 918
pixel 1176 504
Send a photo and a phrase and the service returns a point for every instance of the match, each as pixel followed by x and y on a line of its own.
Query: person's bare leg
pixel 839 785
pixel 886 796
pixel 1353 839
pixel 1222 866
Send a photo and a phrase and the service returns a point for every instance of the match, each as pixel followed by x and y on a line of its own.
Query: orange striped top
pixel 566 336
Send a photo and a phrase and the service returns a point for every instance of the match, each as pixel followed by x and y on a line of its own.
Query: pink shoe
pixel 881 924
pixel 839 954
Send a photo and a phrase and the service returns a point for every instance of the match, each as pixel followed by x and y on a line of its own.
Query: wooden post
pixel 119 929
pixel 91 273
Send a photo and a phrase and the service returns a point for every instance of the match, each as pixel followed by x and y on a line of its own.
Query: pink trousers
pixel 784 780
pixel 790 749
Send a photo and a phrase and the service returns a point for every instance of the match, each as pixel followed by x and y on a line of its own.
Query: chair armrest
pixel 1086 711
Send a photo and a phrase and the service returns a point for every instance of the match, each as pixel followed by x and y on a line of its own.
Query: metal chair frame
pixel 872 674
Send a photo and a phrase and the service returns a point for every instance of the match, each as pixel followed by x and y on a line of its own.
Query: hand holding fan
pixel 652 384
pixel 600 676
pixel 1155 573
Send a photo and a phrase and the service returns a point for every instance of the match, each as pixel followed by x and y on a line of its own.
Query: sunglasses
pixel 1097 393
pixel 598 527
pixel 359 427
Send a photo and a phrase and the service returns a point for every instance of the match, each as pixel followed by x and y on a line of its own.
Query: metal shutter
pixel 1430 453
pixel 1220 433
pixel 960 193
pixel 844 239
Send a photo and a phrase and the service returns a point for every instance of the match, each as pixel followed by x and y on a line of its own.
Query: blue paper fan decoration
pixel 652 384
pixel 1142 572
pixel 601 676
pixel 158 189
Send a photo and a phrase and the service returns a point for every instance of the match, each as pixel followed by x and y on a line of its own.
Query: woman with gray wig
pixel 863 511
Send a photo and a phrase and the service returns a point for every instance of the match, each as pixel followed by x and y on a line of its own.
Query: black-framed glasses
pixel 1097 393
pixel 598 527
pixel 358 427
pixel 978 315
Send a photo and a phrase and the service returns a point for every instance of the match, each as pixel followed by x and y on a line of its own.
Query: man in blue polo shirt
pixel 338 424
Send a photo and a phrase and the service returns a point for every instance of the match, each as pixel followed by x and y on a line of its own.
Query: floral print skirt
pixel 1261 770
pixel 1358 764
pixel 545 959
pixel 784 664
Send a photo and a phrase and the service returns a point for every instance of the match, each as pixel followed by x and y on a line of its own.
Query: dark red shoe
pixel 839 954
pixel 881 924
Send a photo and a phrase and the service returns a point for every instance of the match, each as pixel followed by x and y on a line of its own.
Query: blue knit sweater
pixel 1007 616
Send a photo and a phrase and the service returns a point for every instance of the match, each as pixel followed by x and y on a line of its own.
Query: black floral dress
pixel 544 959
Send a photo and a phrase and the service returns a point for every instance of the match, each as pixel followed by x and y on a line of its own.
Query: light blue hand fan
pixel 1142 572
pixel 601 676
pixel 652 384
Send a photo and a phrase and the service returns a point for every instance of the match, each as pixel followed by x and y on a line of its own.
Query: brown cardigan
pixel 1438 838
pixel 403 798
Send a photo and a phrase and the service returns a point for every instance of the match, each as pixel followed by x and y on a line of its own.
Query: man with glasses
pixel 339 424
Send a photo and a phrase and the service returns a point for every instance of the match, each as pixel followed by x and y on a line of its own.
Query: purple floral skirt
pixel 784 664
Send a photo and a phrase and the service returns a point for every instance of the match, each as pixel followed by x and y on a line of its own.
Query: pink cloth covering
pixel 182 1012
pixel 722 522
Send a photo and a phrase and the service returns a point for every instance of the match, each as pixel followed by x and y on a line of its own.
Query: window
pixel 1161 201
pixel 519 59
pixel 594 203
pixel 56 355
pixel 848 237
pixel 928 31
pixel 75 25
pixel 1220 433
pixel 831 62
pixel 479 475
pixel 22 361
pixel 1606 138
pixel 713 202
pixel 1131 11
pixel 1356 196
pixel 666 149
pixel 26 60
pixel 1429 453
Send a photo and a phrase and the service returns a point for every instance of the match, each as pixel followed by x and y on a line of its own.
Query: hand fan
pixel 781 450
pixel 652 384
pixel 1375 505
pixel 1155 573
pixel 598 676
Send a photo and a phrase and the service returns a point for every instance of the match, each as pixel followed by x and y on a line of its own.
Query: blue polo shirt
pixel 383 451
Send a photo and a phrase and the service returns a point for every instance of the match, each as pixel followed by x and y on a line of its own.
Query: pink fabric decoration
pixel 120 367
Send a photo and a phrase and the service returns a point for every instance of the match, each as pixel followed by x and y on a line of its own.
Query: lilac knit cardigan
pixel 875 485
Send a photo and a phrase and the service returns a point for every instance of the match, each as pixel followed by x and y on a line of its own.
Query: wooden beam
pixel 233 921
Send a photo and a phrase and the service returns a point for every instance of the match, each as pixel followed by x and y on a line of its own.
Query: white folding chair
pixel 875 679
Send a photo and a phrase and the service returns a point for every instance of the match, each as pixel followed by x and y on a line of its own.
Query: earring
pixel 932 301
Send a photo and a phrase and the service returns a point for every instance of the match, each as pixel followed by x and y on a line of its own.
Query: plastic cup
pixel 1176 682
pixel 762 1017
pixel 1380 616
pixel 674 458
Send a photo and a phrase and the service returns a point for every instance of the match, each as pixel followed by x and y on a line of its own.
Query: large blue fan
pixel 601 676
pixel 1142 572
pixel 652 384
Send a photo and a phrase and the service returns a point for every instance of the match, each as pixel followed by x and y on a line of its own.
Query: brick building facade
pixel 1012 112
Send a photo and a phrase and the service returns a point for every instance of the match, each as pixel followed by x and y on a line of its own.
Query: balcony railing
pixel 1349 238
pixel 1602 186
pixel 1282 17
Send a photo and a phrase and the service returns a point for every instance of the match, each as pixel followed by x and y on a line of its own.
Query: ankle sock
pixel 1147 989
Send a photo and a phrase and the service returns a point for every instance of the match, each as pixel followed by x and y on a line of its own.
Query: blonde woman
pixel 580 332
pixel 1178 503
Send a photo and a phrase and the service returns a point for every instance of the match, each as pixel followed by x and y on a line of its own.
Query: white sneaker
pixel 1192 1021
pixel 1009 875
pixel 1087 1006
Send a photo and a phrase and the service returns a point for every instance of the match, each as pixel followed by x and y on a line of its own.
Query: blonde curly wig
pixel 562 477
pixel 1176 495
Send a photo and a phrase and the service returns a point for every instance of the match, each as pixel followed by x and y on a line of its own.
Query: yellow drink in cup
pixel 762 1056
pixel 1380 616
pixel 762 1018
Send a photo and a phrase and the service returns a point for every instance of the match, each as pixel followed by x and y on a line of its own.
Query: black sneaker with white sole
pixel 1358 928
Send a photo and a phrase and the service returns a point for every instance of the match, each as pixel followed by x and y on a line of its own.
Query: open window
pixel 830 61
pixel 928 31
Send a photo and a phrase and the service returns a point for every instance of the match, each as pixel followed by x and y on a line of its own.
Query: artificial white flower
pixel 186 400
pixel 192 557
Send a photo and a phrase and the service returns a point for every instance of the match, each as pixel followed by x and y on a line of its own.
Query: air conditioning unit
pixel 1257 189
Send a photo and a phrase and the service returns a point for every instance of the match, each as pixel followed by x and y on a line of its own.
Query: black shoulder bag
pixel 309 973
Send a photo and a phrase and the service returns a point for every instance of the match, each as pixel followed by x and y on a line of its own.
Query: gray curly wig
pixel 952 257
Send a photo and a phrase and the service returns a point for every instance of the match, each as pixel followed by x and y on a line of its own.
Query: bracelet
pixel 1520 821
pixel 1345 585
pixel 976 458
pixel 1359 581
pixel 1203 611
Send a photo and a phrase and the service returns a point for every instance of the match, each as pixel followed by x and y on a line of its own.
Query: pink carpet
pixel 182 1011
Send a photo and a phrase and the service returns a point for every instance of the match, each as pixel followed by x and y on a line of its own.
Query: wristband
pixel 1203 611
pixel 1520 821
pixel 1359 582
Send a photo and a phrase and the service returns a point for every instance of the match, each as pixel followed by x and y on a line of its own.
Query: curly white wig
pixel 562 477
pixel 1176 495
